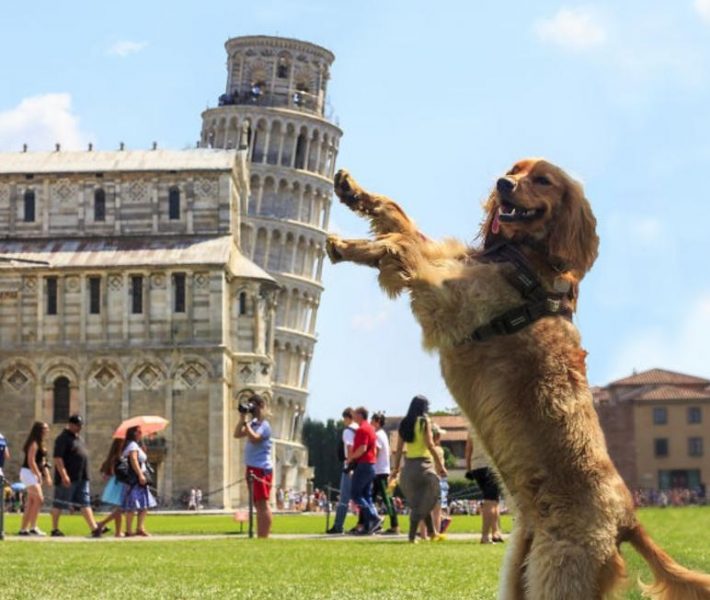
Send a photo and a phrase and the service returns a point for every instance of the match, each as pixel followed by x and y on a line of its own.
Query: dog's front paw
pixel 345 188
pixel 331 248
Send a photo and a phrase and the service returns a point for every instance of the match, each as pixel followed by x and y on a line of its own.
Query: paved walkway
pixel 229 536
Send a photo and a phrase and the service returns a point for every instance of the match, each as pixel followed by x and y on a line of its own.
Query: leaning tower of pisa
pixel 276 91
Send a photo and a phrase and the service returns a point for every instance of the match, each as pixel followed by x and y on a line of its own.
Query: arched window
pixel 282 71
pixel 243 303
pixel 61 400
pixel 300 152
pixel 29 216
pixel 99 205
pixel 174 203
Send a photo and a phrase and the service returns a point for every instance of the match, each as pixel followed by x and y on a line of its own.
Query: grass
pixel 292 568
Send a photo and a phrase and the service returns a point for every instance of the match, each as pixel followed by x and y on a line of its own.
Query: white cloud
pixel 571 28
pixel 40 122
pixel 683 348
pixel 369 321
pixel 125 47
pixel 702 7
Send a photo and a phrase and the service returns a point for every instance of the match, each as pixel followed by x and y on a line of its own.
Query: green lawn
pixel 291 568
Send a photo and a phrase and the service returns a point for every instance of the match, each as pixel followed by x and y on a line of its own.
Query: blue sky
pixel 436 100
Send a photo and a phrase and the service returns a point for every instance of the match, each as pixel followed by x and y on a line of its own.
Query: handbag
pixel 123 471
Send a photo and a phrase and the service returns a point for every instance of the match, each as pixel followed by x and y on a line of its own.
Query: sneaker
pixel 497 539
pixel 438 537
pixel 444 524
pixel 376 526
pixel 334 531
pixel 391 531
pixel 96 533
pixel 23 532
pixel 56 533
pixel 356 531
pixel 37 531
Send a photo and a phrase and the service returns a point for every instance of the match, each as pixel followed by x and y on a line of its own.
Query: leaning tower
pixel 276 93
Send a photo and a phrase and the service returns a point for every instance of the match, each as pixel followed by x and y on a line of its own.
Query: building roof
pixel 670 392
pixel 201 159
pixel 129 252
pixel 660 377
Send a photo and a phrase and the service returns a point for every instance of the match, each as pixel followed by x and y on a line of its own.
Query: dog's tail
pixel 672 582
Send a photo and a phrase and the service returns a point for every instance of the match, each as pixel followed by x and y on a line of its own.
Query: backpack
pixel 3 446
pixel 341 445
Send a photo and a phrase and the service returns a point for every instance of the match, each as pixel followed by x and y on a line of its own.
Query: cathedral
pixel 174 283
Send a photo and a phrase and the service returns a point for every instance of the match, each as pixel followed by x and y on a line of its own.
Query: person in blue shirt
pixel 4 453
pixel 257 457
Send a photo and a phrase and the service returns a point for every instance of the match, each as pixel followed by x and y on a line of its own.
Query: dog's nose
pixel 505 185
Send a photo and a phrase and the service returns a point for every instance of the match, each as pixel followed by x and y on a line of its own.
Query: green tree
pixel 321 439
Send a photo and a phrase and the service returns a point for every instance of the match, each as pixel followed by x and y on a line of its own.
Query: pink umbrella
pixel 148 423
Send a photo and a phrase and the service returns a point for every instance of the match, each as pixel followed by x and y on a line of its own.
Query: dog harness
pixel 538 301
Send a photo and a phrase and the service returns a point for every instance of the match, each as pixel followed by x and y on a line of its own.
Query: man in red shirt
pixel 363 455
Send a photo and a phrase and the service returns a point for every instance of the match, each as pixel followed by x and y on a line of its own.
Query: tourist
pixel 71 477
pixel 137 498
pixel 363 456
pixel 114 490
pixel 4 454
pixel 382 471
pixel 33 473
pixel 478 469
pixel 419 480
pixel 441 509
pixel 257 457
pixel 345 446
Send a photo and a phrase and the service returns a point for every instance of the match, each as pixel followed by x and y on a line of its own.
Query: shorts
pixel 261 489
pixel 487 482
pixel 28 477
pixel 77 495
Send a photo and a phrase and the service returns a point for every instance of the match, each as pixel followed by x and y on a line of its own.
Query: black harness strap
pixel 539 302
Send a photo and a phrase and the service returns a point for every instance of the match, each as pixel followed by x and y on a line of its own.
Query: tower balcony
pixel 257 95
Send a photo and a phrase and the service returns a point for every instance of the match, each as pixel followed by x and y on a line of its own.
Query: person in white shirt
pixel 382 471
pixel 344 451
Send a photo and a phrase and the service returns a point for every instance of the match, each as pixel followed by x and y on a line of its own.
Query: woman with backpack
pixel 114 489
pixel 419 480
pixel 137 499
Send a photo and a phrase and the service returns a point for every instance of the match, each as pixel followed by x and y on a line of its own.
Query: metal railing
pixel 258 96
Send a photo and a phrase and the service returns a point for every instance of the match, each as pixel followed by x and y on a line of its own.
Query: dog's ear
pixel 572 237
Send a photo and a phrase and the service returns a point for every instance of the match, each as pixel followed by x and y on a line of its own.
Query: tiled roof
pixel 600 394
pixel 660 377
pixel 120 160
pixel 129 252
pixel 670 392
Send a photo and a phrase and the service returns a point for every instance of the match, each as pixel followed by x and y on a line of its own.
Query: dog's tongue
pixel 495 227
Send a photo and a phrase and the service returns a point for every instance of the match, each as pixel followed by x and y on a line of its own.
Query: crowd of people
pixel 126 471
pixel 368 479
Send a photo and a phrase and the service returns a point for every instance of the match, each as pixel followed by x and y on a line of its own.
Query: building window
pixel 94 295
pixel 99 205
pixel 29 216
pixel 174 203
pixel 282 71
pixel 243 303
pixel 179 292
pixel 660 415
pixel 660 447
pixel 695 415
pixel 695 446
pixel 61 400
pixel 51 286
pixel 137 294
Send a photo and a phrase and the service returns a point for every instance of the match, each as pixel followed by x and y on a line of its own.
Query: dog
pixel 500 316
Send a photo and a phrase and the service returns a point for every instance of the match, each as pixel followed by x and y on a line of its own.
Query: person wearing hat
pixel 71 477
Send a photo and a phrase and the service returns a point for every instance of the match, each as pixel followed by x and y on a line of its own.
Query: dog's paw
pixel 345 188
pixel 331 248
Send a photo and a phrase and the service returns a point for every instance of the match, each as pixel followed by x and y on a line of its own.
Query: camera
pixel 246 407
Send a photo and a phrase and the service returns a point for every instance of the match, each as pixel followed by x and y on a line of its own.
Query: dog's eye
pixel 542 180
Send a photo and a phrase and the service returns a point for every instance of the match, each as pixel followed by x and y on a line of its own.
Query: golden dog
pixel 500 317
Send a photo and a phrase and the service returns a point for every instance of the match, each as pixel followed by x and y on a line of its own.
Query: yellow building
pixel 657 425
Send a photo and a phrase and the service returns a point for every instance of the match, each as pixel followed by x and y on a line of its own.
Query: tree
pixel 321 439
